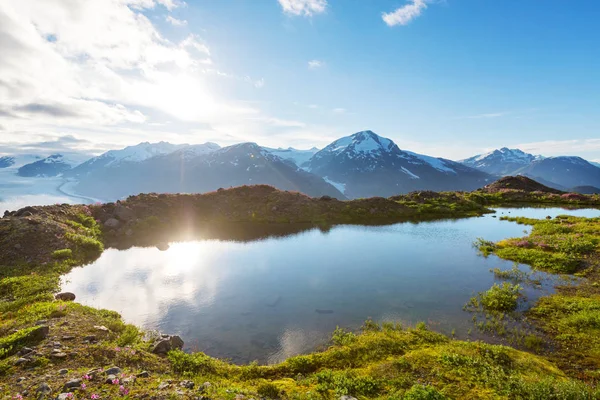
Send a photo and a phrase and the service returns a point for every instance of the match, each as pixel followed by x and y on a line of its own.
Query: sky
pixel 448 78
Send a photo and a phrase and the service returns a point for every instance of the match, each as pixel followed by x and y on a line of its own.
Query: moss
pixel 499 298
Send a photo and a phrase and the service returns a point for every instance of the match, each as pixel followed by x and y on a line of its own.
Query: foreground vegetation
pixel 51 348
pixel 571 317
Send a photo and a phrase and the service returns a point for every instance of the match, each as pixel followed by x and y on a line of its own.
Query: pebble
pixel 63 371
pixel 163 385
pixel 25 350
pixel 21 379
pixel 101 328
pixel 21 361
pixel 113 371
pixel 58 355
pixel 72 384
pixel 187 384
pixel 64 396
pixel 143 374
pixel 44 389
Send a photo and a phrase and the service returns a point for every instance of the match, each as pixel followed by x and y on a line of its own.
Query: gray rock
pixel 24 351
pixel 101 328
pixel 58 355
pixel 64 396
pixel 346 397
pixel 176 343
pixel 21 379
pixel 21 361
pixel 44 389
pixel 113 371
pixel 65 296
pixel 162 347
pixel 63 371
pixel 187 384
pixel 41 322
pixel 112 223
pixel 109 379
pixel 72 384
pixel 163 385
pixel 144 374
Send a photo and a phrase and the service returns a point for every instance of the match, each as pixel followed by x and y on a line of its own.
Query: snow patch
pixel 413 176
pixel 339 186
pixel 434 162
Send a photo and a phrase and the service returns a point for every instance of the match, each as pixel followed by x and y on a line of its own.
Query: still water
pixel 269 299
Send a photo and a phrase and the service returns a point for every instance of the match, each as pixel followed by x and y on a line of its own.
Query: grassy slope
pixel 39 246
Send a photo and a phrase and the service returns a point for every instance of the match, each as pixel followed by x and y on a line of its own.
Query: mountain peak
pixel 361 143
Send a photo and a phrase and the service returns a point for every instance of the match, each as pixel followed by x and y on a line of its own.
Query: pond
pixel 269 299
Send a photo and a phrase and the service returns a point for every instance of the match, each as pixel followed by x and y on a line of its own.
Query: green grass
pixel 499 298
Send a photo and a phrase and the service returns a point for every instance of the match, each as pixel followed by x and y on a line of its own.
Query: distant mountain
pixel 518 183
pixel 596 164
pixel 366 164
pixel 53 165
pixel 298 157
pixel 585 190
pixel 137 153
pixel 192 169
pixel 564 171
pixel 501 162
pixel 17 161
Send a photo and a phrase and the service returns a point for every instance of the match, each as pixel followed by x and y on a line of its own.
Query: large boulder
pixel 65 296
pixel 112 223
pixel 166 344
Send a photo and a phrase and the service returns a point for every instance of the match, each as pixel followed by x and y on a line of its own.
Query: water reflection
pixel 284 294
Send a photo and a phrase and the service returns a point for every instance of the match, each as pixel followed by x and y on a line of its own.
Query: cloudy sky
pixel 443 77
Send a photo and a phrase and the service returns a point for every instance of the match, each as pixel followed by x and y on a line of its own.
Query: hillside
pixel 518 183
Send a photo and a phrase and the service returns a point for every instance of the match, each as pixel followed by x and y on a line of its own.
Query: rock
pixel 164 345
pixel 18 246
pixel 143 374
pixel 68 338
pixel 58 356
pixel 101 328
pixel 346 397
pixel 176 342
pixel 65 296
pixel 24 350
pixel 163 385
pixel 72 384
pixel 206 385
pixel 41 322
pixel 113 371
pixel 39 334
pixel 112 223
pixel 21 361
pixel 187 384
pixel 64 396
pixel 21 379
pixel 90 338
pixel 63 372
pixel 109 379
pixel 44 389
pixel 163 246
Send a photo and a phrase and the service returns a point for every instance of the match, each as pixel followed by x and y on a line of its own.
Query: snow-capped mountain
pixel 137 153
pixel 596 164
pixel 54 165
pixel 502 161
pixel 563 171
pixel 298 157
pixel 366 164
pixel 182 171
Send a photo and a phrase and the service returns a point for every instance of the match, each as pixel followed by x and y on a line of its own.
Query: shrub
pixel 268 390
pixel 63 254
pixel 423 392
pixel 129 336
pixel 500 298
pixel 341 337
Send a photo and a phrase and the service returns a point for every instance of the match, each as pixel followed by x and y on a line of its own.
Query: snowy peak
pixel 53 165
pixel 361 144
pixel 502 161
pixel 137 153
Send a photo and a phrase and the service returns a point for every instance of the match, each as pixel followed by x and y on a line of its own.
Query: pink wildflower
pixel 95 396
pixel 115 381
pixel 83 386
pixel 87 377
pixel 124 391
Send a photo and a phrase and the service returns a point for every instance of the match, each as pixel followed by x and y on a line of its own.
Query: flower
pixel 124 391
pixel 115 381
pixel 18 396
pixel 95 396
pixel 70 395
pixel 83 386
pixel 87 377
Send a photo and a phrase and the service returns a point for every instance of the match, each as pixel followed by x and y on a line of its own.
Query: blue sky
pixel 448 78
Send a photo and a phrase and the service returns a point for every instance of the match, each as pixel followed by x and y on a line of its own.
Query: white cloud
pixel 339 110
pixel 176 22
pixel 303 7
pixel 101 70
pixel 315 64
pixel 405 14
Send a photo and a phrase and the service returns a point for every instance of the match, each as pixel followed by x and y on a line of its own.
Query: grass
pixel 383 361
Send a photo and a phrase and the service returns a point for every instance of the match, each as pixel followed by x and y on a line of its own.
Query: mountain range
pixel 360 165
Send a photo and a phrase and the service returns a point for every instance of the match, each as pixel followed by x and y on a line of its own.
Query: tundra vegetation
pixel 51 347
